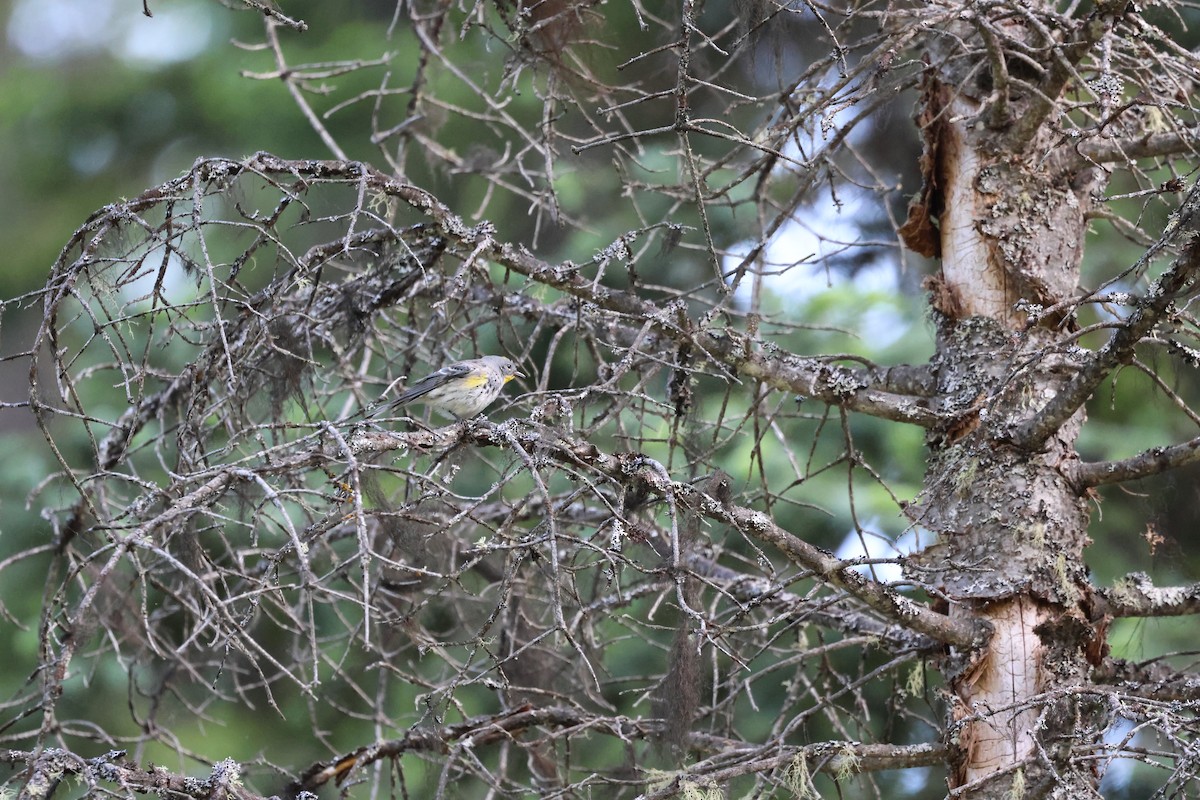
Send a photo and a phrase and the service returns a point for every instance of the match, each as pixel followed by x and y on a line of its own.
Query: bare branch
pixel 1152 145
pixel 808 377
pixel 1156 681
pixel 630 551
pixel 110 773
pixel 1149 462
pixel 1152 308
pixel 480 731
pixel 835 616
pixel 1135 595
pixel 638 469
pixel 1065 58
pixel 275 14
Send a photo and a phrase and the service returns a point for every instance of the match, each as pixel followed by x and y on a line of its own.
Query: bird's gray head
pixel 507 367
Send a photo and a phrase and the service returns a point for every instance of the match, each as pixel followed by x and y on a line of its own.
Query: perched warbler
pixel 462 389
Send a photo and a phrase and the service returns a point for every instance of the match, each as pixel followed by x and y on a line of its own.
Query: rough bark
pixel 1011 523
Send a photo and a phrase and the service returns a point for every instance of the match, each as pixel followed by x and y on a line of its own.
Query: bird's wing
pixel 431 382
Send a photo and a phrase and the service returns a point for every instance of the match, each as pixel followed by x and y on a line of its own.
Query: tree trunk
pixel 1011 525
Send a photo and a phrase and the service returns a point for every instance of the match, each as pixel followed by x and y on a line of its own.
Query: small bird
pixel 462 389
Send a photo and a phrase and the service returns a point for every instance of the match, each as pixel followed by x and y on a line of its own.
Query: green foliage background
pixel 88 126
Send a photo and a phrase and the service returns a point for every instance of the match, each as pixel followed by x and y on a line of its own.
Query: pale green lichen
pixel 1064 580
pixel 964 479
pixel 1017 790
pixel 1039 534
pixel 915 685
pixel 798 779
pixel 845 763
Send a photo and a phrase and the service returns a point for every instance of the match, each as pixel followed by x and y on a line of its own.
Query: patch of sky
pixel 794 266
pixel 872 544
pixel 60 30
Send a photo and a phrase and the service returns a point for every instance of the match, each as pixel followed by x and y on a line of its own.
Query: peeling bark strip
pixel 995 716
pixel 1010 231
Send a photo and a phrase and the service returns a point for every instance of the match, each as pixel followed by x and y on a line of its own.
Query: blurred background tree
pixel 263 577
